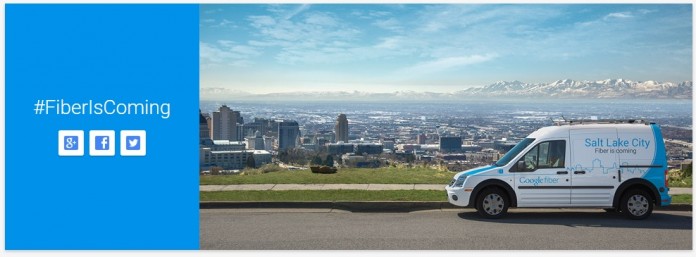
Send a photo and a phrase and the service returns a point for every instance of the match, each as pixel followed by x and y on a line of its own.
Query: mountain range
pixel 563 89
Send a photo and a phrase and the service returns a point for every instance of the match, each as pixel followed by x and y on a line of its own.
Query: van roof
pixel 562 130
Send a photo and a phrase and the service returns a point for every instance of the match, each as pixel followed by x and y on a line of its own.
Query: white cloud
pixel 618 15
pixel 646 11
pixel 379 13
pixel 389 24
pixel 296 11
pixel 224 23
pixel 447 63
pixel 228 53
pixel 259 21
pixel 390 43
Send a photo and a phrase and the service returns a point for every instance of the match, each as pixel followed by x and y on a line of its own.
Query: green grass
pixel 325 195
pixel 682 199
pixel 681 182
pixel 343 176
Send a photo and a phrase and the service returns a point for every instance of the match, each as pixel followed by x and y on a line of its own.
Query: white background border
pixel 295 253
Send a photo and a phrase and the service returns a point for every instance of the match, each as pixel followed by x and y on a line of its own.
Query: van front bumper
pixel 458 196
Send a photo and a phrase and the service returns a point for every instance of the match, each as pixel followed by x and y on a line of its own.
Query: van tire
pixel 636 204
pixel 492 203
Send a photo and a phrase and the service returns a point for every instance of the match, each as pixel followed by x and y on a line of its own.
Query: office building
pixel 223 145
pixel 203 127
pixel 288 134
pixel 255 142
pixel 232 160
pixel 368 148
pixel 450 144
pixel 340 148
pixel 341 128
pixel 267 143
pixel 421 139
pixel 225 124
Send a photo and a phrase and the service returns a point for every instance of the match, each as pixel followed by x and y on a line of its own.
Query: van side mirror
pixel 521 166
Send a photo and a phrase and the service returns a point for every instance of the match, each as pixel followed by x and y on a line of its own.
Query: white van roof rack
pixel 602 121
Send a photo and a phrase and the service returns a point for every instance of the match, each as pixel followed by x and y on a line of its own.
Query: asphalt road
pixel 540 229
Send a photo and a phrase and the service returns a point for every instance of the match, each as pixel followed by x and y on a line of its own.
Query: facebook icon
pixel 102 143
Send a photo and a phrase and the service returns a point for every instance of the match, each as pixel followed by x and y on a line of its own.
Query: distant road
pixel 442 230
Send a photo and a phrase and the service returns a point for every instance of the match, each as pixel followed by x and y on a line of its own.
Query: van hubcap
pixel 493 204
pixel 637 205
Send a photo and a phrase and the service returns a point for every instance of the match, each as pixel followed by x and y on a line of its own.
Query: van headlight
pixel 460 181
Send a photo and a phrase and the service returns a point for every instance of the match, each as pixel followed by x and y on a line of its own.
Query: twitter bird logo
pixel 133 142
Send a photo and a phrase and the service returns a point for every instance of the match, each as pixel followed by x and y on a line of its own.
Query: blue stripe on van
pixel 478 170
pixel 656 176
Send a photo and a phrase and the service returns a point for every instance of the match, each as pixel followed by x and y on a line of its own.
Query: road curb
pixel 348 206
pixel 365 206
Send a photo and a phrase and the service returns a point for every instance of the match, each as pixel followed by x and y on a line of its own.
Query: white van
pixel 614 165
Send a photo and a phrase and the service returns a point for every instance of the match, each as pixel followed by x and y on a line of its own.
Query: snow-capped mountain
pixel 563 89
pixel 567 88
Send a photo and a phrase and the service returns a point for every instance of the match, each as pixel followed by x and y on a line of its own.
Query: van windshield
pixel 514 151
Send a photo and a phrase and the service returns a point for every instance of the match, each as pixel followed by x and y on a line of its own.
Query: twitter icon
pixel 133 142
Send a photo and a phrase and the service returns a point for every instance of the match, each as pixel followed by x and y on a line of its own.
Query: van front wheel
pixel 636 204
pixel 492 203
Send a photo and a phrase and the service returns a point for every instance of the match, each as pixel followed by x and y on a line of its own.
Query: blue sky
pixel 440 48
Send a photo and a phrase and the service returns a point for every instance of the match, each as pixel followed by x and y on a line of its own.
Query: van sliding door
pixel 594 166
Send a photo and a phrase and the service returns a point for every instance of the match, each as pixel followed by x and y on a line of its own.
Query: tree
pixel 250 162
pixel 316 160
pixel 687 170
pixel 283 156
pixel 410 158
pixel 329 161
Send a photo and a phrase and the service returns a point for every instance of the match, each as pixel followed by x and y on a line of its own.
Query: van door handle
pixel 619 175
pixel 579 172
pixel 562 172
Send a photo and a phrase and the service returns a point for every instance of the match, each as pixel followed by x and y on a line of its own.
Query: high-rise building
pixel 203 127
pixel 255 142
pixel 288 134
pixel 225 124
pixel 421 139
pixel 341 128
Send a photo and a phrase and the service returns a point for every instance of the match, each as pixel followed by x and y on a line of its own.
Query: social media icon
pixel 133 143
pixel 71 143
pixel 101 142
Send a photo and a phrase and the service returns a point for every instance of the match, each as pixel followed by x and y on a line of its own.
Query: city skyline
pixel 263 49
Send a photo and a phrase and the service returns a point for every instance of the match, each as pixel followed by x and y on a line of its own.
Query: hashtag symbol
pixel 39 107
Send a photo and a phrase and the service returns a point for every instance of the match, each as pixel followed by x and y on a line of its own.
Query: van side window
pixel 549 154
pixel 552 155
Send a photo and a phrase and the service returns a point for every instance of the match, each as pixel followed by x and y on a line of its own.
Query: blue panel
pixel 78 53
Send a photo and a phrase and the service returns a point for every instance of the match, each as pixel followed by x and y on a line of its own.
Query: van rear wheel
pixel 492 203
pixel 636 204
